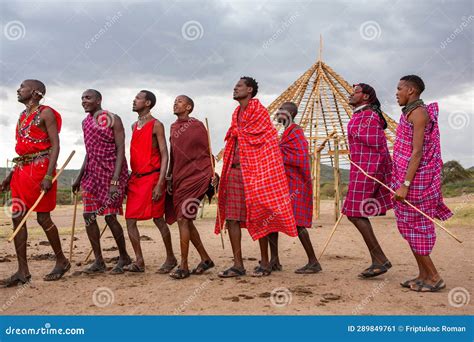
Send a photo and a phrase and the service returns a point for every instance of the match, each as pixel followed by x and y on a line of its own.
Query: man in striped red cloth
pixel 37 144
pixel 368 149
pixel 103 178
pixel 146 187
pixel 254 192
pixel 294 149
pixel 417 178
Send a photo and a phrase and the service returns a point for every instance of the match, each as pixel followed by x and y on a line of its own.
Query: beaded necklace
pixel 411 106
pixel 24 127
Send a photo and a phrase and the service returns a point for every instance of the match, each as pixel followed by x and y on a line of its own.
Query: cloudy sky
pixel 201 48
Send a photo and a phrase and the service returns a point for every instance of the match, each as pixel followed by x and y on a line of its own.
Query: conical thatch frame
pixel 322 97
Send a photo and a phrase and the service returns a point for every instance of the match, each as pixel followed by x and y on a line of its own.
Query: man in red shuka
pixel 37 144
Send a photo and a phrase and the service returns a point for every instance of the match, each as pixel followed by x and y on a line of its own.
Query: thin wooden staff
pixel 411 205
pixel 73 227
pixel 40 197
pixel 330 236
pixel 90 251
pixel 213 175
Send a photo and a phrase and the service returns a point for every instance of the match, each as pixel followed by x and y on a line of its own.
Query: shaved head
pixel 189 101
pixel 96 93
pixel 37 85
pixel 291 107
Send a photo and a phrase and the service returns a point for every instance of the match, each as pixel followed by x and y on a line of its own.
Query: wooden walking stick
pixel 90 252
pixel 213 175
pixel 411 205
pixel 10 239
pixel 330 235
pixel 73 227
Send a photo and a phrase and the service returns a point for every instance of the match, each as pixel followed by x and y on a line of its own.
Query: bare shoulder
pixel 47 113
pixel 158 126
pixel 419 115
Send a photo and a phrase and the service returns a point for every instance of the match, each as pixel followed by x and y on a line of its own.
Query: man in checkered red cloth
pixel 417 178
pixel 368 149
pixel 294 149
pixel 103 177
pixel 254 192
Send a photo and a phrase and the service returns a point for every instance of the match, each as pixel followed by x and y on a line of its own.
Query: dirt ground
pixel 335 291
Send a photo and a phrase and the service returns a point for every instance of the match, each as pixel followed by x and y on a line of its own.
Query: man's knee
pixel 301 230
pixel 354 219
pixel 160 223
pixel 44 220
pixel 233 224
pixel 89 218
pixel 110 220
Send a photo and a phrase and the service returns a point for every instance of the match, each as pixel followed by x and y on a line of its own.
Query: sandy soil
pixel 336 290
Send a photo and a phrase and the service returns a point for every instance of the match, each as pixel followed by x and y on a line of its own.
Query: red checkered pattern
pixel 235 201
pixel 368 149
pixel 93 205
pixel 101 156
pixel 294 149
pixel 425 188
pixel 266 189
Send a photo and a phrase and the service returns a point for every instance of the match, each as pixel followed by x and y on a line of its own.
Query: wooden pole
pixel 90 251
pixel 10 239
pixel 73 227
pixel 337 177
pixel 317 184
pixel 408 203
pixel 213 175
pixel 330 236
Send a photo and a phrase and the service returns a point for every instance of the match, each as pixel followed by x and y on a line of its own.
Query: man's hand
pixel 157 192
pixel 5 185
pixel 215 180
pixel 46 185
pixel 76 186
pixel 169 187
pixel 113 191
pixel 401 193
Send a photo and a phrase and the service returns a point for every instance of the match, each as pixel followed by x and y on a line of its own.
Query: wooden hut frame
pixel 322 97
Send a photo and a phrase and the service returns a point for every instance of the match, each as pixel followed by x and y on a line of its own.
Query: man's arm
pixel 49 119
pixel 159 133
pixel 419 119
pixel 77 182
pixel 119 137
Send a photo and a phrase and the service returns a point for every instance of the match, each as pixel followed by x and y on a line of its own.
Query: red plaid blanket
pixel 294 149
pixel 266 189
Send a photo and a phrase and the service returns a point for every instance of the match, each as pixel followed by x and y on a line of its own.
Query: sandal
pixel 261 272
pixel 57 274
pixel 179 273
pixel 408 283
pixel 95 268
pixel 15 280
pixel 133 268
pixel 375 270
pixel 166 268
pixel 309 269
pixel 423 287
pixel 275 267
pixel 203 266
pixel 232 272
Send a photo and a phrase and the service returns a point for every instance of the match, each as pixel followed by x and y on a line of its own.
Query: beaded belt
pixel 31 157
pixel 139 175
